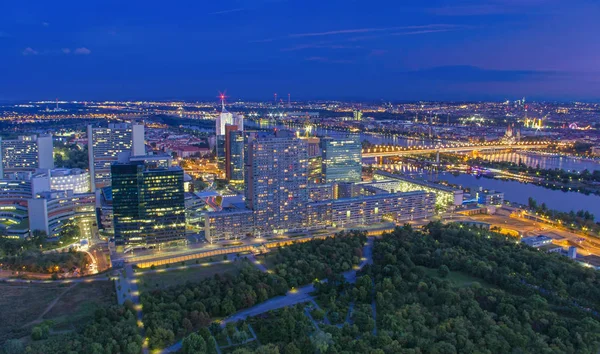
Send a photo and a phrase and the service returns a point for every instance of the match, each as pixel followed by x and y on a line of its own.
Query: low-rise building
pixel 537 241
pixel 445 196
pixel 61 179
pixel 228 223
pixel 50 212
pixel 489 197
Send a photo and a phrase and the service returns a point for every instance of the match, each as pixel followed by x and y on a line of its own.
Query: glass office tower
pixel 342 159
pixel 148 204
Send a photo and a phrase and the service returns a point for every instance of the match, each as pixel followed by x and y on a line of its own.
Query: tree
pixel 13 346
pixel 211 346
pixel 193 343
pixel 321 341
pixel 443 271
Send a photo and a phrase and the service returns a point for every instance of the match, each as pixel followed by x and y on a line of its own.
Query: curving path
pixel 293 297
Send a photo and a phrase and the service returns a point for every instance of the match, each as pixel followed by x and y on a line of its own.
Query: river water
pixel 373 138
pixel 533 159
pixel 520 192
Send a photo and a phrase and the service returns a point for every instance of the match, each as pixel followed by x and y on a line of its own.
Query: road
pixel 585 244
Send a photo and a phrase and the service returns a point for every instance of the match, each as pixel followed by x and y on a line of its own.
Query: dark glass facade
pixel 148 204
pixel 342 159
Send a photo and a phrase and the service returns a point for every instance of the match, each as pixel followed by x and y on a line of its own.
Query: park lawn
pixel 21 303
pixel 458 278
pixel 154 280
pixel 78 305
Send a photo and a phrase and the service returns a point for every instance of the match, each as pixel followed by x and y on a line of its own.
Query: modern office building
pixel 223 119
pixel 342 159
pixel 61 179
pixel 445 196
pixel 489 197
pixel 234 154
pixel 372 209
pixel 14 194
pixel 25 154
pixel 315 160
pixel 106 143
pixel 228 224
pixel 357 115
pixel 148 204
pixel 276 180
pixel 238 120
pixel 50 212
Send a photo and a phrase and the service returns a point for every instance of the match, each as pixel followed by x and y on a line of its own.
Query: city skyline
pixel 501 49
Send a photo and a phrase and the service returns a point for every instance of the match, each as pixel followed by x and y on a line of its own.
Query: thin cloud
pixel 328 60
pixel 30 51
pixel 66 50
pixel 319 46
pixel 45 24
pixel 421 32
pixel 82 51
pixel 227 11
pixel 435 26
pixel 4 34
pixel 369 30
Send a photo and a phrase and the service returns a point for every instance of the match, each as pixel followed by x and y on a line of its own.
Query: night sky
pixel 360 50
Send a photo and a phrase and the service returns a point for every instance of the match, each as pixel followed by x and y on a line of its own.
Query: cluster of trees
pixel 33 260
pixel 10 246
pixel 534 305
pixel 552 175
pixel 527 301
pixel 70 156
pixel 177 311
pixel 283 331
pixel 572 219
pixel 302 263
pixel 114 330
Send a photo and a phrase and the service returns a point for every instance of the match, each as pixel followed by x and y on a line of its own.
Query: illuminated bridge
pixel 383 151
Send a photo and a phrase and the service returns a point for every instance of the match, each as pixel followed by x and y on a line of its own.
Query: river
pixel 373 138
pixel 520 192
pixel 533 159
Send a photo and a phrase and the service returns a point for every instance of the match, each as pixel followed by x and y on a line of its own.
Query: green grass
pixel 458 278
pixel 79 304
pixel 153 280
pixel 21 303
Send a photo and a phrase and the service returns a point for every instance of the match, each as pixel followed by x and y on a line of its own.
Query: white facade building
pixel 106 143
pixel 26 153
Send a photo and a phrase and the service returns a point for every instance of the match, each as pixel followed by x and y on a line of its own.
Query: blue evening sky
pixel 353 49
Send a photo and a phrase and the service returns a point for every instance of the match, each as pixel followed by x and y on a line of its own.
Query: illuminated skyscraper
pixel 342 159
pixel 234 154
pixel 276 180
pixel 148 204
pixel 26 153
pixel 106 143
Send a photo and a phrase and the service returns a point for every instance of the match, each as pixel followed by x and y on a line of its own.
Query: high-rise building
pixel 222 120
pixel 276 180
pixel 148 204
pixel 106 143
pixel 26 153
pixel 238 120
pixel 234 154
pixel 358 114
pixel 342 159
pixel 315 161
